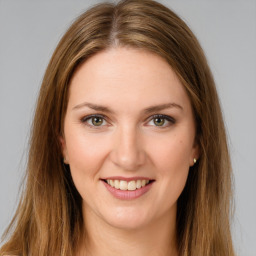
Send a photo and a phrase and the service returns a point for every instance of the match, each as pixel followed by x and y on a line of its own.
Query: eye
pixel 94 120
pixel 162 120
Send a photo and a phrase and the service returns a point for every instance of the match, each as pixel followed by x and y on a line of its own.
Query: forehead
pixel 121 76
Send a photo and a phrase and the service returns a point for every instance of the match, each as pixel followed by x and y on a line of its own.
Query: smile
pixel 127 185
pixel 127 188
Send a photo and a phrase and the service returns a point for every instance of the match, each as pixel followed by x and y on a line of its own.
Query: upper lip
pixel 126 178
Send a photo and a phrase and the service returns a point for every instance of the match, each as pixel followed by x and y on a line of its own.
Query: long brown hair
pixel 49 219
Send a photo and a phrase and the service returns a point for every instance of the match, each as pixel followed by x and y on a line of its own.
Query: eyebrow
pixel 146 110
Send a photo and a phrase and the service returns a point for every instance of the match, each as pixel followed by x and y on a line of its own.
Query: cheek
pixel 85 152
pixel 171 158
pixel 173 152
pixel 86 155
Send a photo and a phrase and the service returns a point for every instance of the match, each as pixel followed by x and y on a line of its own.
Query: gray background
pixel 29 32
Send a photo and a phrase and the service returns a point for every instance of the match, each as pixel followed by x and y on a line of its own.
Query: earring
pixel 64 160
pixel 194 160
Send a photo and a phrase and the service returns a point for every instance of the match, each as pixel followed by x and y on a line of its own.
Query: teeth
pixel 116 184
pixel 131 185
pixel 124 185
pixel 112 183
pixel 138 184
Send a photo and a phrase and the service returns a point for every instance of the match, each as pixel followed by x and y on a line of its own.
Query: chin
pixel 128 219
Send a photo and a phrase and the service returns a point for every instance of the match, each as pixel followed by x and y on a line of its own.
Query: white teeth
pixel 124 185
pixel 132 185
pixel 116 184
pixel 143 183
pixel 138 184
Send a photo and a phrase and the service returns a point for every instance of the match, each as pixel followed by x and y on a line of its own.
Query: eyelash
pixel 170 119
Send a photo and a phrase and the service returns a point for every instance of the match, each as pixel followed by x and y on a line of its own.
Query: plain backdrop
pixel 226 29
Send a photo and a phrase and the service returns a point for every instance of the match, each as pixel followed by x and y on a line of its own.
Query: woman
pixel 128 153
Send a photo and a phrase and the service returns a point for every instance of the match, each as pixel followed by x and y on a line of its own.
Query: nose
pixel 127 152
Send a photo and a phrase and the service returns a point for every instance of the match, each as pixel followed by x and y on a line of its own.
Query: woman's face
pixel 129 137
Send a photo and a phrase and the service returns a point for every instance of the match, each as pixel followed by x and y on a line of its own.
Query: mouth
pixel 128 184
pixel 128 188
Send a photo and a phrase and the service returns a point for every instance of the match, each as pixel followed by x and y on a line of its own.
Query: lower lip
pixel 127 194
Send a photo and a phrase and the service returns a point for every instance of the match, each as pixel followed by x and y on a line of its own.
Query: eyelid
pixel 166 117
pixel 86 118
pixel 105 118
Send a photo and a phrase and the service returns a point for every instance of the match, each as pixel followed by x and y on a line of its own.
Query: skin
pixel 129 142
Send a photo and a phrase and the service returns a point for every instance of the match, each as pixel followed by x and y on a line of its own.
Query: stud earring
pixel 64 160
pixel 194 160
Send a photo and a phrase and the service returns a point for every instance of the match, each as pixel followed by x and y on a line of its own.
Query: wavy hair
pixel 48 220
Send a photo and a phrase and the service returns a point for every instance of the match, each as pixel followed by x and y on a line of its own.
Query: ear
pixel 195 153
pixel 64 149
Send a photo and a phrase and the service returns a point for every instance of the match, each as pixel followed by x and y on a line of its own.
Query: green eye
pixel 159 121
pixel 97 121
pixel 94 120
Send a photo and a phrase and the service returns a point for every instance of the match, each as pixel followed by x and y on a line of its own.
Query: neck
pixel 101 239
